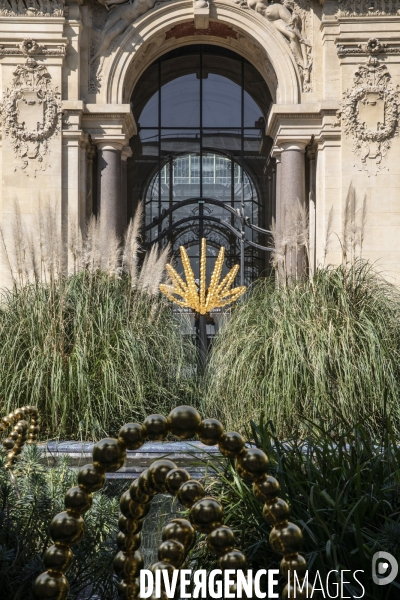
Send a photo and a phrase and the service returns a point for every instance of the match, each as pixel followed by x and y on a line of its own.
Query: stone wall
pixel 68 70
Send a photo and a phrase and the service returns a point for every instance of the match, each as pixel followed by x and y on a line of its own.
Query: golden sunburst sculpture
pixel 199 298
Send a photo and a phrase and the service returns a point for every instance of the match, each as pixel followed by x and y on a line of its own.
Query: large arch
pixel 146 40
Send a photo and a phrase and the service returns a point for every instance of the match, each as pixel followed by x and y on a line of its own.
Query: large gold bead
pixel 145 485
pixel 175 478
pixel 128 542
pixel 136 493
pixel 14 435
pixel 77 500
pixel 6 421
pixel 290 591
pixel 183 422
pixel 157 473
pixel 276 512
pixel 162 566
pixel 128 590
pixel 231 444
pixel 190 492
pixel 33 411
pixel 210 432
pixel 108 455
pixel 286 538
pixel 234 559
pixel 221 540
pixel 180 530
pixel 295 563
pixel 34 429
pixel 129 526
pixel 58 558
pixel 49 586
pixel 127 566
pixel 91 479
pixel 206 514
pixel 251 464
pixel 132 435
pixel 172 551
pixel 266 488
pixel 19 413
pixel 67 528
pixel 131 509
pixel 155 427
pixel 8 443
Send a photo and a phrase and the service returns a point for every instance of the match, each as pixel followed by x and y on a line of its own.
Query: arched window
pixel 199 162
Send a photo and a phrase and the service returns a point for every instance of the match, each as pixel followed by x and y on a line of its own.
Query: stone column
pixel 292 200
pixel 109 184
pixel 90 187
pixel 126 153
pixel 312 209
pixel 278 208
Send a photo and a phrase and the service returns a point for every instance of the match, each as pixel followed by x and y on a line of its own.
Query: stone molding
pixel 372 47
pixel 29 47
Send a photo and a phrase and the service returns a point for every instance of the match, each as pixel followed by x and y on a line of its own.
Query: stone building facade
pixel 76 76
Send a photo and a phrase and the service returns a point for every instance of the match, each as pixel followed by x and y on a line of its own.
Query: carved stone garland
pixel 31 111
pixel 32 8
pixel 369 113
pixel 367 8
pixel 206 514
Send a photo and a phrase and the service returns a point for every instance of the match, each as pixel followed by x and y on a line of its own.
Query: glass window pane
pixel 180 91
pixel 221 102
pixel 257 97
pixel 145 98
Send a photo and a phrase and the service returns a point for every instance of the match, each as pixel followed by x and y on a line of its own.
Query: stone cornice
pixel 298 122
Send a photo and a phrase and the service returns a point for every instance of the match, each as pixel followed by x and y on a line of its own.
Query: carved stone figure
pixel 31 111
pixel 369 113
pixel 287 20
pixel 119 19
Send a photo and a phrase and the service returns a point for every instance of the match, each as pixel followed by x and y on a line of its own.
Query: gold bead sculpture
pixel 206 514
pixel 199 298
pixel 21 432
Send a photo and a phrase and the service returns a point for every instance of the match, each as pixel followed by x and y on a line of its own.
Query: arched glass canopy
pixel 199 162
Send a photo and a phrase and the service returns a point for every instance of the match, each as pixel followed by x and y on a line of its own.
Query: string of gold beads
pixel 21 431
pixel 206 514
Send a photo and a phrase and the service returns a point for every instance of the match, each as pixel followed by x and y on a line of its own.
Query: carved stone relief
pixel 369 113
pixel 30 48
pixel 367 8
pixel 294 21
pixel 31 111
pixel 32 8
pixel 372 47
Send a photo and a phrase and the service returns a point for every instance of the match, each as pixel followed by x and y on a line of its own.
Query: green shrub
pixel 27 506
pixel 326 348
pixel 343 492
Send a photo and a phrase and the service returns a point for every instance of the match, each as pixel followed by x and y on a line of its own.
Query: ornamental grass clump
pixel 95 348
pixel 325 348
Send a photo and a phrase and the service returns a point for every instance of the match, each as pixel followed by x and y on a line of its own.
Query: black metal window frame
pixel 237 215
